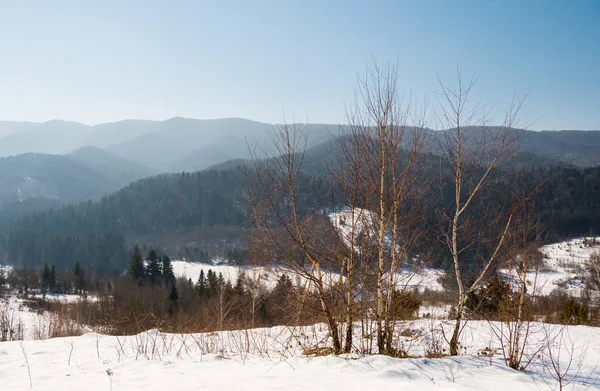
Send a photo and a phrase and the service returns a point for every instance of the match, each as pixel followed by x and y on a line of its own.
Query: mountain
pixel 61 137
pixel 576 147
pixel 200 159
pixel 183 144
pixel 32 182
pixel 8 128
pixel 117 168
pixel 52 137
pixel 167 204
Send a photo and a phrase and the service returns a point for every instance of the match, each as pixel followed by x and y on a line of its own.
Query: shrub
pixel 405 305
pixel 573 313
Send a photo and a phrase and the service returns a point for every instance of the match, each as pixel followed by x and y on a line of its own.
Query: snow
pixel 564 267
pixel 5 269
pixel 65 298
pixel 266 359
pixel 262 275
pixel 29 324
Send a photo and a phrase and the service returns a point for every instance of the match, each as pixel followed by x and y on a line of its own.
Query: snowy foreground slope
pixel 272 358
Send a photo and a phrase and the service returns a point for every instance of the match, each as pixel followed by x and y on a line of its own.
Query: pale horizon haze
pixel 269 61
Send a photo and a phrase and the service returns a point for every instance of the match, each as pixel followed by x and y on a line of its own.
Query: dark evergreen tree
pixel 168 275
pixel 45 279
pixel 213 283
pixel 153 269
pixel 136 265
pixel 52 279
pixel 239 289
pixel 201 284
pixel 172 299
pixel 79 278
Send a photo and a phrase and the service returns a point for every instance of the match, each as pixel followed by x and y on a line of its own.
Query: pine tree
pixel 153 272
pixel 79 278
pixel 212 283
pixel 201 284
pixel 239 286
pixel 173 300
pixel 45 279
pixel 168 275
pixel 136 265
pixel 52 279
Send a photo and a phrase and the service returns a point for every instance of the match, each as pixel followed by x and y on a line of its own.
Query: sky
pixel 270 61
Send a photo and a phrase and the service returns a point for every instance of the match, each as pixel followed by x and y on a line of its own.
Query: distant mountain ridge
pixel 184 144
pixel 34 181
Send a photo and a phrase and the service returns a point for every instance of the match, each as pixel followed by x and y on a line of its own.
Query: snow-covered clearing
pixel 352 223
pixel 408 277
pixel 265 276
pixel 564 267
pixel 272 358
pixel 28 324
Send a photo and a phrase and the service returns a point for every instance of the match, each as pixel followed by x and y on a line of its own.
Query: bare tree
pixel 277 215
pixel 473 156
pixel 560 359
pixel 593 266
pixel 382 157
pixel 522 264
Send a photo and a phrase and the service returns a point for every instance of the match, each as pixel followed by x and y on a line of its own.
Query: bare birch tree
pixel 383 154
pixel 523 260
pixel 473 155
pixel 276 213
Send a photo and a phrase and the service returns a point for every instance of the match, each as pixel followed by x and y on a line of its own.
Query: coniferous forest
pixel 214 204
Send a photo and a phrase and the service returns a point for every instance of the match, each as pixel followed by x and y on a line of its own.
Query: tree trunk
pixel 456 332
pixel 331 322
pixel 349 304
pixel 380 254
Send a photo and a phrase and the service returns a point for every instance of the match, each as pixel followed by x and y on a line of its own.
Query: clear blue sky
pixel 100 61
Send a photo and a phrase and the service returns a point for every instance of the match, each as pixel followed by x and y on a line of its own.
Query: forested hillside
pixel 173 205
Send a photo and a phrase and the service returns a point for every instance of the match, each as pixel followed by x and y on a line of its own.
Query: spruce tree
pixel 168 275
pixel 212 283
pixel 239 286
pixel 79 280
pixel 136 265
pixel 201 284
pixel 45 279
pixel 153 272
pixel 172 299
pixel 52 279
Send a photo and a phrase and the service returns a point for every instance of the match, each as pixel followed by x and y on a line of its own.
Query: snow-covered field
pixel 265 359
pixel 564 267
pixel 28 324
pixel 408 277
pixel 265 276
pixel 283 357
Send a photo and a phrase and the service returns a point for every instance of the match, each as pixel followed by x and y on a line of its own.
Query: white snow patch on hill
pixel 265 276
pixel 351 224
pixel 564 267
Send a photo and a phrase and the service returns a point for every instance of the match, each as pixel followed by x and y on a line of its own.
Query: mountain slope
pixel 52 137
pixel 183 144
pixel 33 182
pixel 115 167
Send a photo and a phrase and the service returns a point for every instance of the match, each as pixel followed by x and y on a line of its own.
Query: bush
pixel 405 305
pixel 487 301
pixel 573 313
